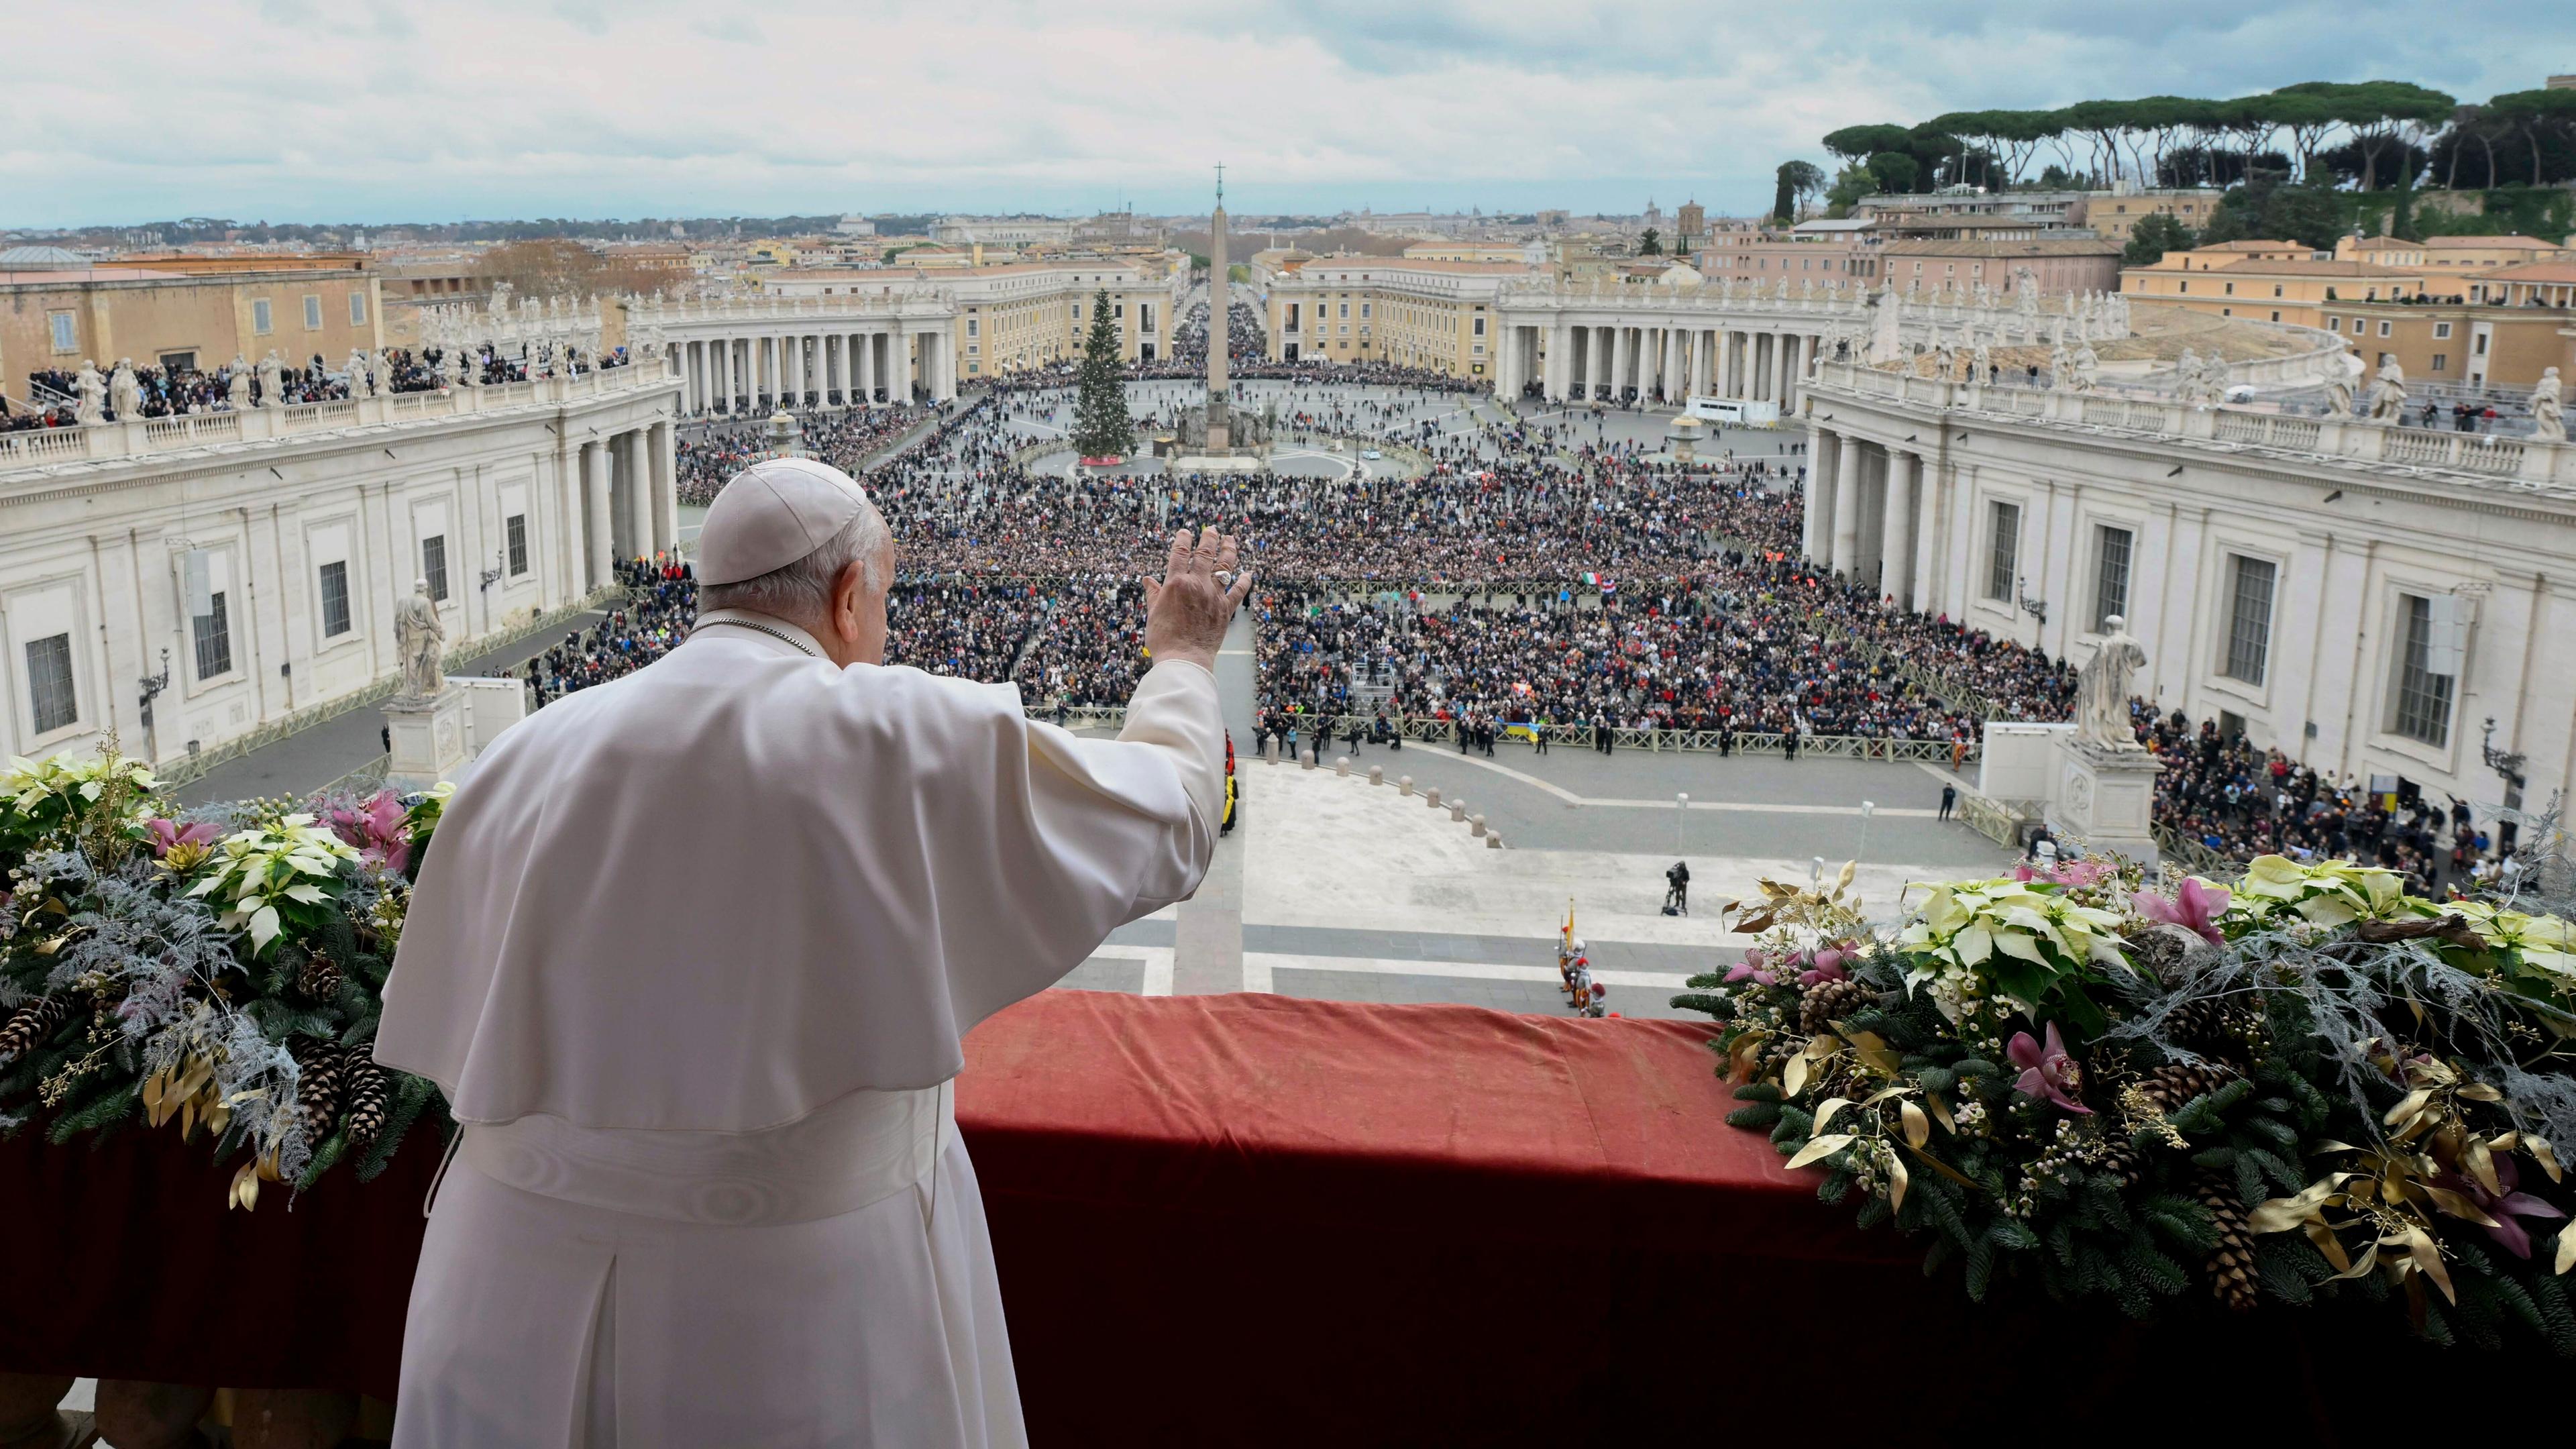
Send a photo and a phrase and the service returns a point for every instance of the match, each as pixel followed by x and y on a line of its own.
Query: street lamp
pixel 2507 764
pixel 153 685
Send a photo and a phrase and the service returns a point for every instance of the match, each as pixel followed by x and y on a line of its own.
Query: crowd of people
pixel 660 607
pixel 1542 581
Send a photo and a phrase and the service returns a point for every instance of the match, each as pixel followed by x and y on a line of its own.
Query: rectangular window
pixel 357 309
pixel 214 636
pixel 335 600
pixel 2441 362
pixel 49 683
pixel 516 527
pixel 66 330
pixel 2249 618
pixel 2110 576
pixel 312 314
pixel 2478 346
pixel 1364 309
pixel 2384 329
pixel 2441 331
pixel 2003 551
pixel 1346 309
pixel 2423 704
pixel 970 327
pixel 433 565
pixel 178 361
pixel 2276 289
pixel 1480 327
pixel 260 321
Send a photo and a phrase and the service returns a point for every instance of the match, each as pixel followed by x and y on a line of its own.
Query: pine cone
pixel 367 1089
pixel 2122 1162
pixel 2159 954
pixel 317 1096
pixel 2231 1263
pixel 2169 1088
pixel 320 979
pixel 1825 1000
pixel 32 1025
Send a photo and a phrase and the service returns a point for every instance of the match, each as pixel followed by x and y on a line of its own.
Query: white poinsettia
pixel 28 784
pixel 1965 935
pixel 255 875
pixel 2325 892
pixel 2546 942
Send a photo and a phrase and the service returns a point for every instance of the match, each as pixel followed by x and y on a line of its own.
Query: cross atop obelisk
pixel 1220 301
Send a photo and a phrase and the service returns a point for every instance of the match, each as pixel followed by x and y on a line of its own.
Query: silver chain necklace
pixel 790 640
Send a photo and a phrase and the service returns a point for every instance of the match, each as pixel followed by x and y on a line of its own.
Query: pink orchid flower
pixel 2047 1071
pixel 1754 968
pixel 2196 908
pixel 169 833
pixel 2507 1207
pixel 1828 966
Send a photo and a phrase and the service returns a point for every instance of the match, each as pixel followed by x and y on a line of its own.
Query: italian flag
pixel 1598 582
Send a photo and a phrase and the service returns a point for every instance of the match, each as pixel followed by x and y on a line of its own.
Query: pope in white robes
pixel 690 956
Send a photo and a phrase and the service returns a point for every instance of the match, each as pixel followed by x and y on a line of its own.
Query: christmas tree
pixel 1100 425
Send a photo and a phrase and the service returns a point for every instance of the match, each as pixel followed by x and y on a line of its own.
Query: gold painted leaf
pixel 2542 1153
pixel 1793 1074
pixel 1918 1128
pixel 1821 1147
pixel 2428 1258
pixel 1825 1112
pixel 1897 1180
pixel 2566 1249
pixel 2482 1167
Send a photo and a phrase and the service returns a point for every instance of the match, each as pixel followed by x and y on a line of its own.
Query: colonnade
pixel 1870 512
pixel 1656 362
pixel 627 500
pixel 801 367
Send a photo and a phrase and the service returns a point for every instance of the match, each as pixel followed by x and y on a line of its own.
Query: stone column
pixel 1823 447
pixel 596 526
pixel 661 449
pixel 1846 548
pixel 867 369
pixel 1721 365
pixel 1621 351
pixel 1929 516
pixel 1896 534
pixel 639 490
pixel 899 365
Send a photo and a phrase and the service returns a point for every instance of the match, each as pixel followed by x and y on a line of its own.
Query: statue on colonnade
pixel 89 394
pixel 2103 687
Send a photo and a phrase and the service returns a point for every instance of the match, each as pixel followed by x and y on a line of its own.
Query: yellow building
pixel 2266 281
pixel 53 320
pixel 2116 214
pixel 2462 343
pixel 1462 251
pixel 1436 315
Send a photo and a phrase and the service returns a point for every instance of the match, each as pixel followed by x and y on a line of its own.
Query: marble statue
pixel 449 369
pixel 2103 687
pixel 2188 378
pixel 272 387
pixel 2388 394
pixel 1982 365
pixel 125 392
pixel 358 374
pixel 2026 291
pixel 1886 331
pixel 2548 408
pixel 2061 368
pixel 237 384
pixel 89 390
pixel 2343 383
pixel 1945 358
pixel 420 640
pixel 2088 367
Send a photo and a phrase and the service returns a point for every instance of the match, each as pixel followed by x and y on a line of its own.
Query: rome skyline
pixel 296 112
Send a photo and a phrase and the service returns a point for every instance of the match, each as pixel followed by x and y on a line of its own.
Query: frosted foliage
pixel 165 952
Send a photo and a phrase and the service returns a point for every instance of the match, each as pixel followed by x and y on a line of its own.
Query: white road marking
pixel 1157 959
pixel 1274 961
pixel 1750 807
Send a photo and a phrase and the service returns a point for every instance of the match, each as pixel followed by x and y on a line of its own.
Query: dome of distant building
pixel 39 259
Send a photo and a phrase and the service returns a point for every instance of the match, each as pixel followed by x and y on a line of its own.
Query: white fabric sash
pixel 858 1149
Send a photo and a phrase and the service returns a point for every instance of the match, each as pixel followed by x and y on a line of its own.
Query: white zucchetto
pixel 773 513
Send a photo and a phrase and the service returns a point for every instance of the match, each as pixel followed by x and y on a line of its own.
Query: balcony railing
pixel 143 438
pixel 2525 462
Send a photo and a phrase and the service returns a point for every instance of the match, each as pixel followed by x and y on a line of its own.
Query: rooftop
pixel 2027 247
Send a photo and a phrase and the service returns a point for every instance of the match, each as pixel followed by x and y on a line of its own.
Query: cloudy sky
pixel 353 110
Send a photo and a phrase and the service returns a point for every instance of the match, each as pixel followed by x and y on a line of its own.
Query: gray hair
pixel 803 590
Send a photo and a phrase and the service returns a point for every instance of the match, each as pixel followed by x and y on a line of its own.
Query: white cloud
pixel 331 109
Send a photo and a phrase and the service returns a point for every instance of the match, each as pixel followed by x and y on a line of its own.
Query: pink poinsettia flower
pixel 169 833
pixel 375 829
pixel 1755 967
pixel 2196 908
pixel 2047 1071
pixel 2506 1207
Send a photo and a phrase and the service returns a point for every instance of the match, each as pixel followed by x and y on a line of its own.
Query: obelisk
pixel 1220 303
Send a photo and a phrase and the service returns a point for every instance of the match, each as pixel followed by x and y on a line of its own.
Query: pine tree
pixel 1100 425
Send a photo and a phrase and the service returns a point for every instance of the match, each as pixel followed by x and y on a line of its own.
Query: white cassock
pixel 690 957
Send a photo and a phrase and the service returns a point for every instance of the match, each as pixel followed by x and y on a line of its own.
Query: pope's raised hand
pixel 1187 610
